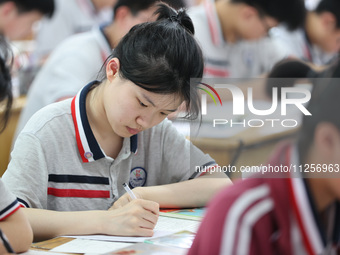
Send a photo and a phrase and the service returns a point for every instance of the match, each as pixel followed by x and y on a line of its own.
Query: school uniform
pixel 75 62
pixel 70 17
pixel 8 202
pixel 243 59
pixel 267 216
pixel 296 44
pixel 57 163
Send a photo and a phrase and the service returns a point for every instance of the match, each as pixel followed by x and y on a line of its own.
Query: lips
pixel 132 130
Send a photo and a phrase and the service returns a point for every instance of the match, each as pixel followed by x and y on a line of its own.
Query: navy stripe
pixel 62 178
pixel 133 143
pixel 8 207
pixel 195 174
pixel 23 202
pixel 91 140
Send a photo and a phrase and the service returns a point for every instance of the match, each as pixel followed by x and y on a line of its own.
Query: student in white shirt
pixel 13 222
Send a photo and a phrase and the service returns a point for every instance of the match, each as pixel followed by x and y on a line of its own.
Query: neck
pixel 320 187
pixel 112 33
pixel 226 14
pixel 310 24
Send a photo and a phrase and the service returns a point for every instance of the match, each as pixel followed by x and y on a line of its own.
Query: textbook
pixel 189 214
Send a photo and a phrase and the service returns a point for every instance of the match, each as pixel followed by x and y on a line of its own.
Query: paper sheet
pixel 89 246
pixel 165 226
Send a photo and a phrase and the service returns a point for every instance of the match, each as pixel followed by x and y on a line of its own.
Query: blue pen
pixel 6 242
pixel 129 191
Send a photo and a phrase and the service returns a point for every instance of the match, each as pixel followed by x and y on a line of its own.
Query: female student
pixel 13 222
pixel 297 211
pixel 70 162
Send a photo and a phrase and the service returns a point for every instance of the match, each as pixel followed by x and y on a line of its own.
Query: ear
pixel 121 13
pixel 112 68
pixel 7 9
pixel 248 12
pixel 328 20
pixel 327 140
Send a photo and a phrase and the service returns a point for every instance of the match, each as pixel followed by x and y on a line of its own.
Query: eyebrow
pixel 150 101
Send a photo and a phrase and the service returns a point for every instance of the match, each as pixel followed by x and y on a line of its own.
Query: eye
pixel 164 114
pixel 141 103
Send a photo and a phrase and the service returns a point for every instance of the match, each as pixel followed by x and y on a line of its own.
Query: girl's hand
pixel 136 218
pixel 125 199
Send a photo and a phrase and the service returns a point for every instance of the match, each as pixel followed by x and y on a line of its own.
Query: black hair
pixel 291 12
pixel 136 6
pixel 6 59
pixel 285 73
pixel 162 56
pixel 45 7
pixel 323 106
pixel 332 6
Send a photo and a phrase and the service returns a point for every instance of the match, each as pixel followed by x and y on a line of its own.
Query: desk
pixel 51 243
pixel 7 135
pixel 257 146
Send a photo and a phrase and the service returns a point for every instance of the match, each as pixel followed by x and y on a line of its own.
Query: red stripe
pixel 80 146
pixel 216 72
pixel 78 193
pixel 207 170
pixel 16 209
pixel 212 25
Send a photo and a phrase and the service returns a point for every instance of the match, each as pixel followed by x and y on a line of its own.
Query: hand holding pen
pixel 133 216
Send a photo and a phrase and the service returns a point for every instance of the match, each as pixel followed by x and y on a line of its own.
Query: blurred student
pixel 18 16
pixel 13 223
pixel 77 60
pixel 71 17
pixel 295 212
pixel 318 41
pixel 71 159
pixel 227 31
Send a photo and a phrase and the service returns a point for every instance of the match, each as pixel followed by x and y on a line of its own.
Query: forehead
pixel 164 101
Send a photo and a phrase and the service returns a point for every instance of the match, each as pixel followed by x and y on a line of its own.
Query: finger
pixel 150 217
pixel 145 232
pixel 150 206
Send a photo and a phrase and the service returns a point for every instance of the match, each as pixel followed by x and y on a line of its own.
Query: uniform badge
pixel 137 177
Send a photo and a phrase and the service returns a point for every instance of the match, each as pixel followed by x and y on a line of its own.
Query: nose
pixel 148 120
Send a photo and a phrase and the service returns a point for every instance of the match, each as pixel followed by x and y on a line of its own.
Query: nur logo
pixel 204 97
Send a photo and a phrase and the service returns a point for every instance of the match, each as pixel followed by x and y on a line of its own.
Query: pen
pixel 5 242
pixel 129 191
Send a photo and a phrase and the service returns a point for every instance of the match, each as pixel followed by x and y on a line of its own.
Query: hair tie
pixel 174 18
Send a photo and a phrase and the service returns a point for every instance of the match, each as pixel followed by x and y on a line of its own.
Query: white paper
pixel 165 226
pixel 89 246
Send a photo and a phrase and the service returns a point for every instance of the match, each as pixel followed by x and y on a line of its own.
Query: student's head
pixel 323 25
pixel 287 73
pixel 5 82
pixel 258 16
pixel 321 131
pixel 148 74
pixel 18 16
pixel 128 13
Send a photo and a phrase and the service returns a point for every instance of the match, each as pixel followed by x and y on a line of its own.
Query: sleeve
pixel 8 202
pixel 181 157
pixel 27 174
pixel 237 222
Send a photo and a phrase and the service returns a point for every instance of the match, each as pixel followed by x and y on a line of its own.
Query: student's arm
pixel 137 218
pixel 186 194
pixel 18 231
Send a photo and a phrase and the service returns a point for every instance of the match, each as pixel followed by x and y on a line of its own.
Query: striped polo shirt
pixel 58 164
